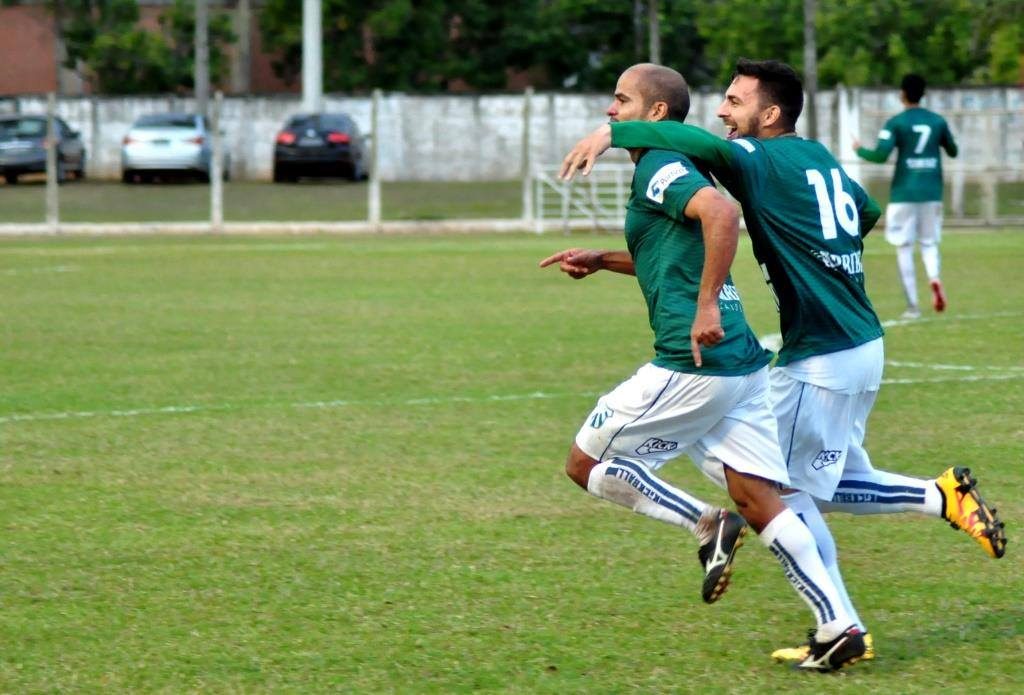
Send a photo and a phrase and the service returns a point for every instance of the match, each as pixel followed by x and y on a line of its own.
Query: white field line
pixel 952 317
pixel 1016 373
pixel 46 269
pixel 951 367
pixel 340 403
pixel 144 248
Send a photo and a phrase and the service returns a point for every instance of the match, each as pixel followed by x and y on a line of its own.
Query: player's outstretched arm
pixel 579 263
pixel 696 143
pixel 584 153
pixel 883 147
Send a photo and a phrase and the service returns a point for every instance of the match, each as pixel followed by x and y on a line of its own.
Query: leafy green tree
pixel 430 44
pixel 179 24
pixel 124 58
pixel 873 42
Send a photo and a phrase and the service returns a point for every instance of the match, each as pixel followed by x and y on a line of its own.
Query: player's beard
pixel 751 128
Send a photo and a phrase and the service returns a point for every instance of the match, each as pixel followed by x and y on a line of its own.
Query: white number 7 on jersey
pixel 923 131
pixel 844 210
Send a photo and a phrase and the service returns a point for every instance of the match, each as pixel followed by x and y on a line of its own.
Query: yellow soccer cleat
pixel 964 509
pixel 798 654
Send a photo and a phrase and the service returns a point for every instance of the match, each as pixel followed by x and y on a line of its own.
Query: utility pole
pixel 654 31
pixel 241 82
pixel 811 68
pixel 312 57
pixel 201 74
pixel 638 30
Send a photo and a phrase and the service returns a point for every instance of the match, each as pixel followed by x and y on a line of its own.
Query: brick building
pixel 29 50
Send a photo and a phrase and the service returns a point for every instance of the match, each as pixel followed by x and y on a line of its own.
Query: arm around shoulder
pixel 696 143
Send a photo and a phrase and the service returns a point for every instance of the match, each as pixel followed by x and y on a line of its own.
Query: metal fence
pixel 523 136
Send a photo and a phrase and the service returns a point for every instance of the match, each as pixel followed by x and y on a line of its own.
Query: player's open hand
pixel 584 154
pixel 706 330
pixel 576 263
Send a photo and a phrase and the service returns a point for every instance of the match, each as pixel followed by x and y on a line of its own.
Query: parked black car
pixel 23 151
pixel 319 144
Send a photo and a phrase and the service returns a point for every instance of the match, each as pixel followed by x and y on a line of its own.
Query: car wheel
pixel 283 175
pixel 62 171
pixel 11 178
pixel 127 176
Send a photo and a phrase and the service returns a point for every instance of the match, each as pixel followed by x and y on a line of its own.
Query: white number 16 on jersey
pixel 841 207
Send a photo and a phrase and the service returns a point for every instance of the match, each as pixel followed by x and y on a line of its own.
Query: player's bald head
pixel 660 83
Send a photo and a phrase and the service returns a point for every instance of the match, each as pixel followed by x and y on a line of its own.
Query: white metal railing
pixel 597 201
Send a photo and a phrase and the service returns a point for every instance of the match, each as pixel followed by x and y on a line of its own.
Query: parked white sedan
pixel 161 144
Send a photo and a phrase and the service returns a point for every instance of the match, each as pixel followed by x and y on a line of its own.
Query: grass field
pixel 331 200
pixel 326 464
pixel 248 201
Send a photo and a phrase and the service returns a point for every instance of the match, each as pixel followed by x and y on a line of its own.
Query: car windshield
pixel 166 120
pixel 22 129
pixel 318 121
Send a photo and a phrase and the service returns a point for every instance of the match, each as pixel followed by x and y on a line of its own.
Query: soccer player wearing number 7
pixel 914 213
pixel 806 219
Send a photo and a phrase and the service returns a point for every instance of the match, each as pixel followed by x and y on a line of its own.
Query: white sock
pixel 930 259
pixel 881 492
pixel 634 486
pixel 793 545
pixel 905 263
pixel 803 505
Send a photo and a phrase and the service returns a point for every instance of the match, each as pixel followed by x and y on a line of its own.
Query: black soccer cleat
pixel 846 649
pixel 717 554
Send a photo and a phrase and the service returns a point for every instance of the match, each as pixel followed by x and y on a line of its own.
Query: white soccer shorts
pixel 821 430
pixel 906 223
pixel 658 414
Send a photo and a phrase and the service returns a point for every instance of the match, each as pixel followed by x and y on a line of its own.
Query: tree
pixel 872 43
pixel 122 57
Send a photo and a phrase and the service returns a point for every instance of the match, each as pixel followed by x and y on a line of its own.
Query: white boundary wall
pixel 467 138
pixel 479 137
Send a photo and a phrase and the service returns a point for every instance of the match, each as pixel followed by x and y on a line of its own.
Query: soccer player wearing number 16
pixel 806 219
pixel 914 213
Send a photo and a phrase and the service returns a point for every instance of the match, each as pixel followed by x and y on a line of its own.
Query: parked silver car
pixel 23 151
pixel 168 143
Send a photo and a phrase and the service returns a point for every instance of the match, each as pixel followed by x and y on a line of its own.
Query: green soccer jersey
pixel 668 254
pixel 805 218
pixel 917 134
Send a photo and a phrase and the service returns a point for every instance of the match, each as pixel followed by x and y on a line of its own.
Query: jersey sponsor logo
pixel 884 134
pixel 663 178
pixel 745 144
pixel 825 458
pixel 655 446
pixel 599 416
pixel 729 293
pixel 849 262
pixel 922 162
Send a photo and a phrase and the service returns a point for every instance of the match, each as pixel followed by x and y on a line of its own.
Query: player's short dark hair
pixel 662 83
pixel 912 87
pixel 779 85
